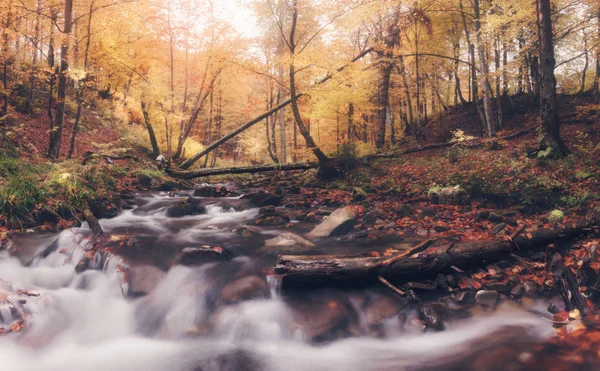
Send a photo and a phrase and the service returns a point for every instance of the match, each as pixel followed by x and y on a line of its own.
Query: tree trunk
pixel 350 122
pixel 500 117
pixel 348 271
pixel 471 54
pixel 411 118
pixel 382 102
pixel 585 66
pixel 457 89
pixel 53 73
pixel 548 99
pixel 54 150
pixel 483 67
pixel 145 111
pixel 282 144
pixel 34 61
pixel 241 170
pixel 80 92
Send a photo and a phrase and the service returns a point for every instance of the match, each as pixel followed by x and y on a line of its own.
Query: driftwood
pixel 340 270
pixel 240 170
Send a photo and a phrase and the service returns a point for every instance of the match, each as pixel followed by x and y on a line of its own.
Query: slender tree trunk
pixel 350 122
pixel 53 73
pixel 485 85
pixel 209 137
pixel 458 90
pixel 81 91
pixel 153 142
pixel 585 66
pixel 500 117
pixel 383 99
pixel 520 77
pixel 34 61
pixel 474 88
pixel 283 144
pixel 411 119
pixel 596 86
pixel 54 150
pixel 548 99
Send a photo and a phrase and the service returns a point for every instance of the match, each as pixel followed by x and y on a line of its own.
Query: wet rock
pixel 531 289
pixel 487 298
pixel 319 317
pixel 384 307
pixel 441 228
pixel 517 291
pixel 144 179
pixel 294 190
pixel 498 228
pixel 266 209
pixel 127 207
pixel 495 218
pixel 245 231
pixel 464 297
pixel 372 217
pixel 338 223
pixel 497 286
pixel 104 209
pixel 552 308
pixel 441 282
pixel 272 219
pixel 403 210
pixel 432 315
pixel 200 255
pixel 265 199
pixel 168 185
pixel 212 191
pixel 143 279
pixel 312 217
pixel 287 242
pixel 482 215
pixel 246 288
pixel 127 194
pixel 353 237
pixel 427 212
pixel 186 207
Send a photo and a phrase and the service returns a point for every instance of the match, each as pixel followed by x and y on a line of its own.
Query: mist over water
pixel 86 321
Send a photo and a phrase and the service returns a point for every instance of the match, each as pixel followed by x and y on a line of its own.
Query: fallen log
pixel 343 270
pixel 470 144
pixel 241 170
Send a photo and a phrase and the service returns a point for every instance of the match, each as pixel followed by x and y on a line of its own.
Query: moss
pixel 556 216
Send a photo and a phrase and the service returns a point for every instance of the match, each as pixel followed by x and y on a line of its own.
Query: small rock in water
pixel 517 291
pixel 338 223
pixel 211 191
pixel 201 255
pixel 188 206
pixel 265 199
pixel 245 231
pixel 464 297
pixel 432 315
pixel 246 288
pixel 266 209
pixel 487 298
pixel 384 307
pixel 287 242
pixel 531 288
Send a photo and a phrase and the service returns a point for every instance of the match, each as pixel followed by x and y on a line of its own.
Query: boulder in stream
pixel 338 223
pixel 265 199
pixel 187 206
pixel 212 191
pixel 246 288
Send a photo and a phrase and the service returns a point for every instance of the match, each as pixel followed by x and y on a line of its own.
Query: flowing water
pixel 87 321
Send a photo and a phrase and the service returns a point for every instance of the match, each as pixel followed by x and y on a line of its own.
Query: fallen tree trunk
pixel 241 170
pixel 305 166
pixel 470 144
pixel 340 270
